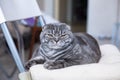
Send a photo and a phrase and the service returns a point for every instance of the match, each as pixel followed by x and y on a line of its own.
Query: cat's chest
pixel 50 53
pixel 56 54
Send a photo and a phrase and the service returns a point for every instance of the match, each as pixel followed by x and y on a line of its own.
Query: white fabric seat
pixel 108 68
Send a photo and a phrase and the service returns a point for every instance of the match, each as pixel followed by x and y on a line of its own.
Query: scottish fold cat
pixel 61 48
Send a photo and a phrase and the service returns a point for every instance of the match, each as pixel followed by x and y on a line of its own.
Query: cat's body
pixel 61 48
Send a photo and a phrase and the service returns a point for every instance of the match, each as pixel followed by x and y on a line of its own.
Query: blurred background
pixel 100 18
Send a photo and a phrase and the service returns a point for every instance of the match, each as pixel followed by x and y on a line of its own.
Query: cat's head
pixel 56 35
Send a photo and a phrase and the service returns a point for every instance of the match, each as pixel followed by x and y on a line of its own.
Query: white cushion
pixel 107 69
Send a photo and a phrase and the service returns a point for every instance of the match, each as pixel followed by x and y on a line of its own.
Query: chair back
pixel 12 10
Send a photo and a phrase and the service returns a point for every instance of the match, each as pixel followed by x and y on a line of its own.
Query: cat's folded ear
pixel 67 26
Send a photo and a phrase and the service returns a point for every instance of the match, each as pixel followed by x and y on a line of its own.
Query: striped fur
pixel 61 48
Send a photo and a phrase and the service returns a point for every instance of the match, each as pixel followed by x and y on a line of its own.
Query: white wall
pixel 101 17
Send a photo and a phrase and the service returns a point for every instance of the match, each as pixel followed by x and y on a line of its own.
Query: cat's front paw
pixel 48 65
pixel 29 64
pixel 34 61
pixel 53 65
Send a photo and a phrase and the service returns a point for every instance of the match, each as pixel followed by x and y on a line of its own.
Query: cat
pixel 61 48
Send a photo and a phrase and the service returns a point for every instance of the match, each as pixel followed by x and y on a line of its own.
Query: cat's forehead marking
pixel 56 29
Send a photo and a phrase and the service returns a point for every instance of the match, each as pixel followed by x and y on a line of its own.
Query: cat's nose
pixel 56 40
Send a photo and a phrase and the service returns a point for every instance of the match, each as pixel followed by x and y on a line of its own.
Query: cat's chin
pixel 55 47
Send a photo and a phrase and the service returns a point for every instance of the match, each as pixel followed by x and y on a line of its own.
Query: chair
pixel 20 50
pixel 15 10
pixel 107 68
pixel 6 51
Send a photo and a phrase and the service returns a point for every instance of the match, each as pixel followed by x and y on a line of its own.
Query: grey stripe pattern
pixel 61 48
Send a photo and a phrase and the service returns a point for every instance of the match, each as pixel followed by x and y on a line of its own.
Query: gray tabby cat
pixel 61 48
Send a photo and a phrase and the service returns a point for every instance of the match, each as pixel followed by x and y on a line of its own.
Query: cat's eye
pixel 64 36
pixel 49 35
